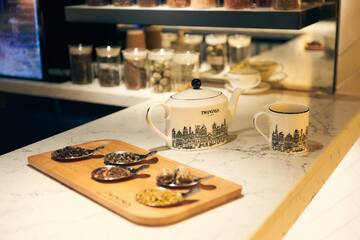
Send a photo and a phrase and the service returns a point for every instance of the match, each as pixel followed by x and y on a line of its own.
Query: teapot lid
pixel 196 93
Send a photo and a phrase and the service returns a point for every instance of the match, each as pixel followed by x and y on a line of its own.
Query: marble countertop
pixel 277 187
pixel 334 213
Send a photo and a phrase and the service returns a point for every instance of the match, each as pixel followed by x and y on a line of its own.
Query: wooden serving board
pixel 120 196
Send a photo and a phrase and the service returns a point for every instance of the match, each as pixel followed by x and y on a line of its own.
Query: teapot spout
pixel 233 103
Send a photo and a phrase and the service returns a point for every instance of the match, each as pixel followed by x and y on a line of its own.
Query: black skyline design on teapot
pixel 200 137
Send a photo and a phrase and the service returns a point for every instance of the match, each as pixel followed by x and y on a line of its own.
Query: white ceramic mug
pixel 246 78
pixel 288 127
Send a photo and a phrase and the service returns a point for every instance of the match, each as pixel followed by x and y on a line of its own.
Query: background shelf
pixel 217 17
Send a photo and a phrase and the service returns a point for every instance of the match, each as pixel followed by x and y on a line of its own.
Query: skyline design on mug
pixel 201 137
pixel 295 142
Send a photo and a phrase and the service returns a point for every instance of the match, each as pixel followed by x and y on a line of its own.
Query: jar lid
pixel 80 49
pixel 134 53
pixel 135 32
pixel 215 39
pixel 239 40
pixel 161 54
pixel 186 57
pixel 193 39
pixel 108 51
pixel 196 93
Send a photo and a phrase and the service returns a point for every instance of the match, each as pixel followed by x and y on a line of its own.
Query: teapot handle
pixel 152 125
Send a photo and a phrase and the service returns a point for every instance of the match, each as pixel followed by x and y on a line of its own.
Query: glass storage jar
pixel 194 43
pixel 184 67
pixel 97 2
pixel 216 51
pixel 81 64
pixel 263 3
pixel 160 69
pixel 239 48
pixel 123 3
pixel 153 37
pixel 135 76
pixel 286 4
pixel 148 3
pixel 178 3
pixel 135 38
pixel 169 40
pixel 203 3
pixel 237 4
pixel 108 59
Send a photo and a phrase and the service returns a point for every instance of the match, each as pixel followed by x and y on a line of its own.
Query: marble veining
pixel 35 206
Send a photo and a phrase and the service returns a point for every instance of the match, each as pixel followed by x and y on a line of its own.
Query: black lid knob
pixel 196 83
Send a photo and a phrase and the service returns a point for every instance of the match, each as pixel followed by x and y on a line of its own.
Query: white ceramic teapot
pixel 196 118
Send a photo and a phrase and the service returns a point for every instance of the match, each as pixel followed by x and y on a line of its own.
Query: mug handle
pixel 255 118
pixel 152 125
